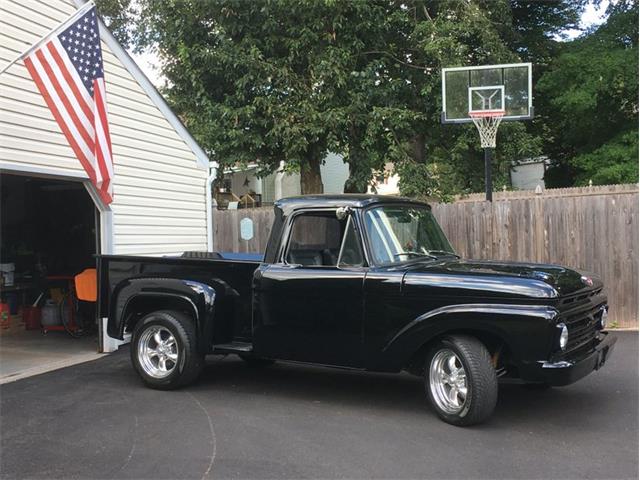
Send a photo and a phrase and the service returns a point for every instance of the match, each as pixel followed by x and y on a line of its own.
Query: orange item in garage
pixel 87 285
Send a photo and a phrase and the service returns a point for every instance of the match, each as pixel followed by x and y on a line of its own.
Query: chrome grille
pixel 583 328
pixel 575 299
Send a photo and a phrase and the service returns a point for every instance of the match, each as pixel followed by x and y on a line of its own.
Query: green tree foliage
pixel 536 25
pixel 285 80
pixel 420 39
pixel 588 102
pixel 119 15
pixel 249 78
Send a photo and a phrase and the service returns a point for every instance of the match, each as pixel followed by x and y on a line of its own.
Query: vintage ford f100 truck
pixel 363 282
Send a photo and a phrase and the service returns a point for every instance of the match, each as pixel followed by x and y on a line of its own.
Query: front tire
pixel 460 380
pixel 164 350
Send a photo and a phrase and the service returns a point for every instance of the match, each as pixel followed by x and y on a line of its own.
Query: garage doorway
pixel 49 233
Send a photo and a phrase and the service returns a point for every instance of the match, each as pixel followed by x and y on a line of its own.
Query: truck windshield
pixel 401 233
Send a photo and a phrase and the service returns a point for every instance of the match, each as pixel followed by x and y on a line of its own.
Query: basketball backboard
pixel 504 89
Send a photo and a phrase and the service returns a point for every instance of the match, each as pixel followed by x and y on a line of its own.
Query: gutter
pixel 213 172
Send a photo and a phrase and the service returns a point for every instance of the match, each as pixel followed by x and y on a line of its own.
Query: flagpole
pixel 73 17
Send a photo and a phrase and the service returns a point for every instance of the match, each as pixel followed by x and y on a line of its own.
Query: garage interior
pixel 47 237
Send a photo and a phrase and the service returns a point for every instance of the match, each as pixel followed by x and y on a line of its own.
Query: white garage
pixel 160 175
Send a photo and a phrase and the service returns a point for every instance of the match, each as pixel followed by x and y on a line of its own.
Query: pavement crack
pixel 133 445
pixel 213 437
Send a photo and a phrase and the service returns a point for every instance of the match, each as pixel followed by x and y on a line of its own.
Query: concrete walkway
pixel 25 353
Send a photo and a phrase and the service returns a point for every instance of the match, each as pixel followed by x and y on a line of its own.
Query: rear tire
pixel 164 350
pixel 460 380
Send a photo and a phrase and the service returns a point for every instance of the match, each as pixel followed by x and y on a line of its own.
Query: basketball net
pixel 487 123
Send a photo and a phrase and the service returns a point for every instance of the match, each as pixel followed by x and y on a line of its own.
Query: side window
pixel 315 239
pixel 351 251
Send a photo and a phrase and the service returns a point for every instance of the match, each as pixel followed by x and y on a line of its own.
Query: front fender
pixel 195 297
pixel 525 329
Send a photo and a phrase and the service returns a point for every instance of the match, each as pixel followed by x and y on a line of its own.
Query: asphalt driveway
pixel 288 421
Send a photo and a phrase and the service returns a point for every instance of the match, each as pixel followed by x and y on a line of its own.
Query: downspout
pixel 213 172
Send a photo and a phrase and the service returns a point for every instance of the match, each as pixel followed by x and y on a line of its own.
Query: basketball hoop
pixel 487 123
pixel 487 95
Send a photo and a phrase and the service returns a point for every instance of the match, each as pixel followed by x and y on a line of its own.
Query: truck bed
pixel 230 276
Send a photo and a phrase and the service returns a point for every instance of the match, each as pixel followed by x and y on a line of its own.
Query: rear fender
pixel 135 297
pixel 525 329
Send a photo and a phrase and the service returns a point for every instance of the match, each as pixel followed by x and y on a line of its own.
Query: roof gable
pixel 155 96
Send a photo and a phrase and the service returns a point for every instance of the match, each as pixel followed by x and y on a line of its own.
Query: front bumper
pixel 571 370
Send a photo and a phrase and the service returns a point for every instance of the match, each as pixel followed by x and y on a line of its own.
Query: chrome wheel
pixel 158 351
pixel 448 382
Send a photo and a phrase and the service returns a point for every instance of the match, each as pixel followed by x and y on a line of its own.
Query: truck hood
pixel 492 278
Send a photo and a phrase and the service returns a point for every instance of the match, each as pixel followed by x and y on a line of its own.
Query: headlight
pixel 603 317
pixel 564 335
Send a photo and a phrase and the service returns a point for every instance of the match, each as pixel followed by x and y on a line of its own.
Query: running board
pixel 233 347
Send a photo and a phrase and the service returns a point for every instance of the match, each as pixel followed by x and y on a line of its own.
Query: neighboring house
pixel 386 184
pixel 160 172
pixel 529 173
pixel 278 185
pixel 525 175
pixel 334 171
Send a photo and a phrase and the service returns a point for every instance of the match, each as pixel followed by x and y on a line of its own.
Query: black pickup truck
pixel 363 282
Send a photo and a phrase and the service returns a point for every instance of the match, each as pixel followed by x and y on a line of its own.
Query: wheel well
pixel 142 305
pixel 497 347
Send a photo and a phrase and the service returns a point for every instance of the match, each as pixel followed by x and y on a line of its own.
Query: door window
pixel 320 239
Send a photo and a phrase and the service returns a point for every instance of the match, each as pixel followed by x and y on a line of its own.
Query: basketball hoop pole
pixel 487 123
pixel 488 187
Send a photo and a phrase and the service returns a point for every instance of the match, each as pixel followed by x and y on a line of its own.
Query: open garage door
pixel 49 233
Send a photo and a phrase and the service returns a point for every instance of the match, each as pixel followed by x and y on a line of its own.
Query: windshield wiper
pixel 443 252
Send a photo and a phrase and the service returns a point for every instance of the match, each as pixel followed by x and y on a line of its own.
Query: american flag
pixel 67 68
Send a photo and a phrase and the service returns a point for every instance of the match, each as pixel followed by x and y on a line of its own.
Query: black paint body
pixel 378 318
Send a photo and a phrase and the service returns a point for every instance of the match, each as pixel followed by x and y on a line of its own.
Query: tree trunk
pixel 358 181
pixel 353 186
pixel 359 168
pixel 310 177
pixel 418 150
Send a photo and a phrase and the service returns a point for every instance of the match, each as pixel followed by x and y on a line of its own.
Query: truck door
pixel 310 303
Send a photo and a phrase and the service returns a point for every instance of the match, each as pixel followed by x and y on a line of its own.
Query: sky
pixel 592 15
pixel 147 62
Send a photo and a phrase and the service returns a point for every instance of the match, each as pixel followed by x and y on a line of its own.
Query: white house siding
pixel 289 185
pixel 334 173
pixel 269 188
pixel 159 189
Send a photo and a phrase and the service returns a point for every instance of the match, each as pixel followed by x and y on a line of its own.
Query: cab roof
pixel 354 200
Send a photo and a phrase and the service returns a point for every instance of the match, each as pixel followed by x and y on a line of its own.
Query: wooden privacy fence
pixel 592 228
pixel 226 229
pixel 595 230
